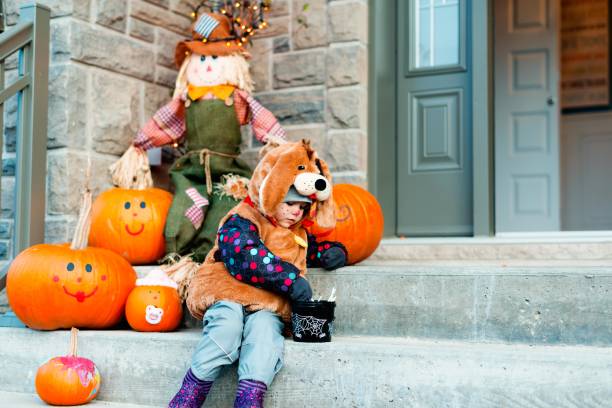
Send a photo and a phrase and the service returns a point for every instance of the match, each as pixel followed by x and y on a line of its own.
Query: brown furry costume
pixel 272 178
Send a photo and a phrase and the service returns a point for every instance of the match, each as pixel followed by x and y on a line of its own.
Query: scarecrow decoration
pixel 211 100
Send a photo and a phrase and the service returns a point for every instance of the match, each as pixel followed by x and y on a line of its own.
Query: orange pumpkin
pixel 52 286
pixel 154 304
pixel 131 223
pixel 359 222
pixel 68 380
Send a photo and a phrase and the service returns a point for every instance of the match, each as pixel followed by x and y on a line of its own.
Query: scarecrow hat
pixel 211 35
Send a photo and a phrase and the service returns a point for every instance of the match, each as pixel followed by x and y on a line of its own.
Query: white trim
pixel 510 238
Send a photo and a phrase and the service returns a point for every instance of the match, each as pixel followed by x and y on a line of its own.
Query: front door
pixel 434 111
pixel 526 116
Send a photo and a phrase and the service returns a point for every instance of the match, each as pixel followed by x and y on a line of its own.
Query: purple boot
pixel 192 394
pixel 250 394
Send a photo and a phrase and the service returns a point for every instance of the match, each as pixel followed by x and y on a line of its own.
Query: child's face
pixel 290 213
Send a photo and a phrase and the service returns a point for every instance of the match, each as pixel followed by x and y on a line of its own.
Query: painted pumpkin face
pixel 53 286
pixel 154 308
pixel 67 380
pixel 131 223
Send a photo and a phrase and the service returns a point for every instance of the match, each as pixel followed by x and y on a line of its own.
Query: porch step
pixel 348 372
pixel 592 247
pixel 23 400
pixel 464 301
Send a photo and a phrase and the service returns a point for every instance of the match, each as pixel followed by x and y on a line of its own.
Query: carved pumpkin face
pixel 53 286
pixel 131 223
pixel 154 304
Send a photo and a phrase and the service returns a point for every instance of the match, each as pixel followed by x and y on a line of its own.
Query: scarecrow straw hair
pixel 181 270
pixel 132 170
pixel 235 72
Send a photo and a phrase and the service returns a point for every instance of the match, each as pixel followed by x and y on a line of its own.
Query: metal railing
pixel 29 38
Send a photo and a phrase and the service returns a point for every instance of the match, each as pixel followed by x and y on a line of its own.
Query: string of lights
pixel 246 17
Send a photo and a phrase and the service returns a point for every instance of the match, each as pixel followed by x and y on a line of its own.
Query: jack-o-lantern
pixel 131 223
pixel 154 304
pixel 359 222
pixel 68 380
pixel 52 286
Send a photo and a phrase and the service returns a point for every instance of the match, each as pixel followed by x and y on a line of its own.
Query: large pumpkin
pixel 154 304
pixel 359 222
pixel 68 380
pixel 52 286
pixel 131 223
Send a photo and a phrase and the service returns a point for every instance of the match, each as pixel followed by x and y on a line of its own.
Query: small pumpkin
pixel 154 304
pixel 52 286
pixel 68 380
pixel 131 223
pixel 359 222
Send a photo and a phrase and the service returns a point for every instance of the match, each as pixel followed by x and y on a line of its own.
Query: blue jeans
pixel 230 333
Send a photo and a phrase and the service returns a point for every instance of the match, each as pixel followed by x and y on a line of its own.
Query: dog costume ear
pixel 326 213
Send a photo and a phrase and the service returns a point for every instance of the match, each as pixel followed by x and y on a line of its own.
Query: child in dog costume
pixel 211 101
pixel 244 288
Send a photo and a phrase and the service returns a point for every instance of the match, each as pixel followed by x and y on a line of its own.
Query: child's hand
pixel 333 258
pixel 300 290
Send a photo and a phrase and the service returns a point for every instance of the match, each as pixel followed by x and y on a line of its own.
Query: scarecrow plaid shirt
pixel 167 125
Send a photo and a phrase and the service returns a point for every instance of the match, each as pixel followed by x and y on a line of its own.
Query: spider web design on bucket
pixel 308 324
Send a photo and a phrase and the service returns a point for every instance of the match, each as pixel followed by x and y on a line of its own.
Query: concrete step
pixel 531 304
pixel 22 400
pixel 360 372
pixel 590 246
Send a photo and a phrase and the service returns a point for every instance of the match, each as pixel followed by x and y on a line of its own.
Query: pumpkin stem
pixel 81 232
pixel 132 170
pixel 73 341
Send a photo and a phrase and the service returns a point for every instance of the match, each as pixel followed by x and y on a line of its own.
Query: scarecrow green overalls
pixel 211 124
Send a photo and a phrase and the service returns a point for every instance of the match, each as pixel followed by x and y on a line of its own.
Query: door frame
pixel 382 113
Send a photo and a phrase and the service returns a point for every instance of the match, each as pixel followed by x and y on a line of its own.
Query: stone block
pixel 260 64
pixel 348 21
pixel 315 133
pixel 66 175
pixel 160 3
pixel 6 229
pixel 141 30
pixel 309 26
pixel 7 197
pixel 299 69
pixel 346 108
pixel 276 26
pixel 184 7
pixel 346 65
pixel 160 17
pixel 68 115
pixel 357 178
pixel 281 44
pixel 278 8
pixel 10 123
pixel 165 76
pixel 116 113
pixel 166 44
pixel 346 150
pixel 59 229
pixel 155 97
pixel 5 251
pixel 251 157
pixel 60 41
pixel 296 107
pixel 8 166
pixel 112 14
pixel 104 49
pixel 59 8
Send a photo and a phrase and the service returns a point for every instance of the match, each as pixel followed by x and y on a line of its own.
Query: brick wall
pixel 112 67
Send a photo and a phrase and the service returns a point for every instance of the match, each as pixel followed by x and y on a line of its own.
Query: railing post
pixel 31 166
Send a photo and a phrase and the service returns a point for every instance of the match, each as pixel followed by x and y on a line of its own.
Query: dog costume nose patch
pixel 320 184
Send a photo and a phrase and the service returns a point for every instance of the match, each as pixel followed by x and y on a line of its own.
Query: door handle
pixel 550 101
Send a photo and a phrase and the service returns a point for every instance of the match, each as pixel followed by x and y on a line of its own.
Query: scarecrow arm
pixel 167 126
pixel 262 121
pixel 327 254
pixel 248 260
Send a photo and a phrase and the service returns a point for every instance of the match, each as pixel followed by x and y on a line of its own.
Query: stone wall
pixel 112 67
